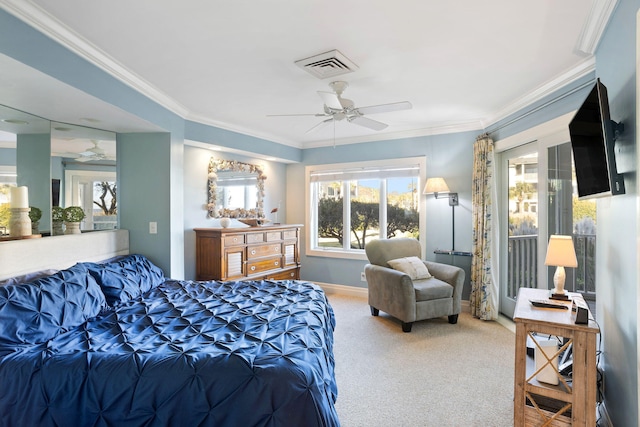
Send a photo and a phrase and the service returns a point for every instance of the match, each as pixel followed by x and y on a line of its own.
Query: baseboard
pixel 352 291
pixel 331 288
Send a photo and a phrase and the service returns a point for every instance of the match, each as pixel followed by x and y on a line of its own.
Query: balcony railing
pixel 523 265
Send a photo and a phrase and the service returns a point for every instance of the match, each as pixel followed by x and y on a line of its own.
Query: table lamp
pixel 560 253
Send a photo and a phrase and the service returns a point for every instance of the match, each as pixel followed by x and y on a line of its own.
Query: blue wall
pixel 617 248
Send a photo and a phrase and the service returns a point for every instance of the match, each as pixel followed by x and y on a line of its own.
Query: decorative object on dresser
pixel 268 252
pixel 20 223
pixel 254 222
pixel 73 215
pixel 34 215
pixel 57 219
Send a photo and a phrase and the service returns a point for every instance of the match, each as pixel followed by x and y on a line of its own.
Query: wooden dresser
pixel 269 252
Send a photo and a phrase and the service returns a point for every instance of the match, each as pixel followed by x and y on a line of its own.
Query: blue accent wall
pixel 617 249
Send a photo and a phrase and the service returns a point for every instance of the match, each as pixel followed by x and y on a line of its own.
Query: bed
pixel 117 343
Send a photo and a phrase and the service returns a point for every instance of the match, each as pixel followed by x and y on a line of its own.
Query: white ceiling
pixel 462 64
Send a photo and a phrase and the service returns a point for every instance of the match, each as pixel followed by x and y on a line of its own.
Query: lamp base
pixel 561 297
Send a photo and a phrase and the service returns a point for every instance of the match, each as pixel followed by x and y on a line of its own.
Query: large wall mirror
pixel 61 165
pixel 236 189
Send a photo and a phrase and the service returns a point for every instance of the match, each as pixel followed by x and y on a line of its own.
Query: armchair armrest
pixel 452 275
pixel 391 291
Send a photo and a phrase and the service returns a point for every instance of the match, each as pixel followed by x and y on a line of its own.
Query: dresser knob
pixel 253 252
pixel 276 263
pixel 253 268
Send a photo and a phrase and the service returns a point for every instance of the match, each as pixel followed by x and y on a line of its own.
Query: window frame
pixel 311 197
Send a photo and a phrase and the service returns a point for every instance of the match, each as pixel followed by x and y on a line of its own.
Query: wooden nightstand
pixel 572 402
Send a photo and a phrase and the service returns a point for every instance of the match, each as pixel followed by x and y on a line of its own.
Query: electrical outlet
pixel 363 278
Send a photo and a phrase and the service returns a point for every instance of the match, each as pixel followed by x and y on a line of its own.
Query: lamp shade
pixel 435 185
pixel 561 252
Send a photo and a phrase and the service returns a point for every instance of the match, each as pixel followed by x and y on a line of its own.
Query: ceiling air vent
pixel 328 64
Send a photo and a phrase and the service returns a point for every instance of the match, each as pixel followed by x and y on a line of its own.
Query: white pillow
pixel 413 266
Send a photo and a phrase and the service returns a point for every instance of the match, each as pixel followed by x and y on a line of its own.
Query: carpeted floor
pixel 438 375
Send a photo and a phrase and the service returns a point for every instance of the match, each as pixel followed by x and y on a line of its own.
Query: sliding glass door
pixel 520 235
pixel 531 212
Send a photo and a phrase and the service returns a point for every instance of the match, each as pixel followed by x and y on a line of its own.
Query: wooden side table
pixel 572 402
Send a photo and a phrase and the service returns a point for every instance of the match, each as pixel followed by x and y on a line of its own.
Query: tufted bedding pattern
pixel 182 353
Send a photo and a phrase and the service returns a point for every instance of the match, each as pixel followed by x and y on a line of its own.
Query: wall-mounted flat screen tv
pixel 593 135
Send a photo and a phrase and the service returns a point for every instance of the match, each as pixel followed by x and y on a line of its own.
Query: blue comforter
pixel 182 353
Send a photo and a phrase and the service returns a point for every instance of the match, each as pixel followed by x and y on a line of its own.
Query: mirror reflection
pixel 25 161
pixel 61 165
pixel 84 173
pixel 236 189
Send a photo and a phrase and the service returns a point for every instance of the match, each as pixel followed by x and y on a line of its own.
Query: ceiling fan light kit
pixel 338 108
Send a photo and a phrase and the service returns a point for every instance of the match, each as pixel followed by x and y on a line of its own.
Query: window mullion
pixel 346 215
pixel 383 209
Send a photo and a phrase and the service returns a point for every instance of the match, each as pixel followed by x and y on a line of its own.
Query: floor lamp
pixel 437 186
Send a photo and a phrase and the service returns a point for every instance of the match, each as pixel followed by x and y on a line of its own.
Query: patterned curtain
pixel 484 298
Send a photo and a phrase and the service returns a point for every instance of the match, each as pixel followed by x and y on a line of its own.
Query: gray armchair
pixel 395 293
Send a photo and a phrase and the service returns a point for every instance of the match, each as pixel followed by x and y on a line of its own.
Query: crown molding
pixel 240 129
pixel 475 125
pixel 594 26
pixel 30 13
pixel 581 70
pixel 34 16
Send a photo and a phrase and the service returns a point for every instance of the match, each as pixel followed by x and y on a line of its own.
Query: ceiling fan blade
pixel 295 115
pixel 319 125
pixel 385 108
pixel 331 100
pixel 368 123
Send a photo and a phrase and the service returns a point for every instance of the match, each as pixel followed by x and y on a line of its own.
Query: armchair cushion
pixel 432 289
pixel 413 266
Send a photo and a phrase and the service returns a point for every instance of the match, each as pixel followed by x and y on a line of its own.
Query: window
pixel 351 204
pixel 94 192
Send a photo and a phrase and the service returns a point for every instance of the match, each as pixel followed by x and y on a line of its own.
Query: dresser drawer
pixel 255 267
pixel 274 236
pixel 284 275
pixel 234 239
pixel 255 238
pixel 290 234
pixel 260 251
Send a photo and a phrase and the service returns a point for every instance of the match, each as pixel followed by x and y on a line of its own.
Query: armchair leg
pixel 374 311
pixel 453 319
pixel 406 327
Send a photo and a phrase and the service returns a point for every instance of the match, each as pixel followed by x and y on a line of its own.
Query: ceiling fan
pixel 94 153
pixel 337 108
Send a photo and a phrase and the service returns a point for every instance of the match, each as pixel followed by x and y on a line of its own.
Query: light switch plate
pixel 153 227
